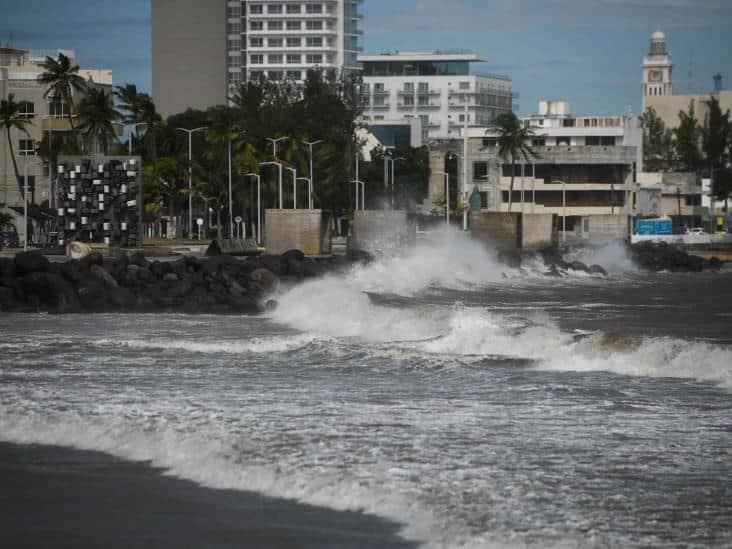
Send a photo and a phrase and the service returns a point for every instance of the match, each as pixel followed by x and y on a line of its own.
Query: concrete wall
pixel 537 231
pixel 380 230
pixel 499 229
pixel 604 228
pixel 188 54
pixel 304 230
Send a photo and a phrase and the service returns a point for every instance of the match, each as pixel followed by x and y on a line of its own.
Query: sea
pixel 474 404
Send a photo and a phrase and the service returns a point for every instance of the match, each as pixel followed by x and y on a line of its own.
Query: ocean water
pixel 477 405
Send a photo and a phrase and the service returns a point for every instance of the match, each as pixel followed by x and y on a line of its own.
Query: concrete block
pixel 381 230
pixel 537 231
pixel 304 230
pixel 500 229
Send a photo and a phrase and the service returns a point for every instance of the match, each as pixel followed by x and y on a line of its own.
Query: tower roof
pixel 658 36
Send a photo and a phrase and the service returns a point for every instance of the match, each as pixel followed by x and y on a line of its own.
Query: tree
pixel 139 108
pixel 715 135
pixel 7 221
pixel 96 115
pixel 165 182
pixel 513 139
pixel 10 117
pixel 657 142
pixel 687 140
pixel 722 185
pixel 63 80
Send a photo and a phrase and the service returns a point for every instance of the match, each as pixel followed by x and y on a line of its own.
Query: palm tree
pixel 513 142
pixel 148 115
pixel 10 117
pixel 63 80
pixel 96 115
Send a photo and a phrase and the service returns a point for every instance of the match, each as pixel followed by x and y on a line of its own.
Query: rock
pixel 156 268
pixel 8 301
pixel 122 299
pixel 78 250
pixel 297 255
pixel 50 291
pixel 715 263
pixel 597 269
pixel 73 271
pixel 92 293
pixel 662 256
pixel 265 278
pixel 94 258
pixel 7 268
pixel 30 262
pixel 271 305
pixel 295 268
pixel 103 275
pixel 578 266
pixel 553 271
pixel 138 258
pixel 171 277
pixel 512 258
pixel 179 288
pixel 359 256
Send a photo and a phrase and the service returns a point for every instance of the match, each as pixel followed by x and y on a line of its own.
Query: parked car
pixel 695 230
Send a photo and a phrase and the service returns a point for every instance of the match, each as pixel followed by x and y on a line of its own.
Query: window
pixel 256 75
pixel 274 42
pixel 294 42
pixel 314 42
pixel 484 199
pixel 275 75
pixel 274 8
pixel 423 100
pixel 365 88
pixel 293 8
pixel 234 11
pixel 425 120
pixel 408 87
pixel 256 25
pixel 379 101
pixel 592 140
pixel 294 75
pixel 490 142
pixel 234 28
pixel 378 117
pixel 294 25
pixel 563 141
pixel 234 45
pixel 294 58
pixel 256 8
pixel 234 61
pixel 315 58
pixel 58 110
pixel 26 109
pixel 256 42
pixel 538 142
pixel 314 8
pixel 378 87
pixel 256 59
pixel 274 25
pixel 234 78
pixel 607 141
pixel 480 171
pixel 26 147
pixel 423 87
pixel 464 85
pixel 274 59
pixel 314 25
pixel 409 101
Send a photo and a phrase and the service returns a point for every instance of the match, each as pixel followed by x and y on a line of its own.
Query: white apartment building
pixel 19 72
pixel 227 42
pixel 436 87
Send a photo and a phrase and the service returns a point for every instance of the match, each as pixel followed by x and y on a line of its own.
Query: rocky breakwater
pixel 660 256
pixel 224 284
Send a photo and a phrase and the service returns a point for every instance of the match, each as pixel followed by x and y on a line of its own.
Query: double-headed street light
pixel 274 142
pixel 294 186
pixel 259 204
pixel 190 175
pixel 311 183
pixel 279 166
pixel 231 204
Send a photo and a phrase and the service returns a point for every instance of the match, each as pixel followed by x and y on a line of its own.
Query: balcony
pixel 382 107
pixel 430 106
pixel 406 106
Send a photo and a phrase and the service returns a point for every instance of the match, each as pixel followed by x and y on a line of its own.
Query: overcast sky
pixel 585 51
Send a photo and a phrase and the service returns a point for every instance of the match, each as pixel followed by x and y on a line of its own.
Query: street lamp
pixel 25 202
pixel 274 144
pixel 294 186
pixel 447 197
pixel 259 205
pixel 363 193
pixel 564 211
pixel 190 176
pixel 279 165
pixel 393 177
pixel 311 183
pixel 231 207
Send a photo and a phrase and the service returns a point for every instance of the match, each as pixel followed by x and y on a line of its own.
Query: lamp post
pixel 363 193
pixel 231 205
pixel 25 204
pixel 307 180
pixel 274 142
pixel 294 186
pixel 564 211
pixel 129 141
pixel 447 197
pixel 279 165
pixel 393 175
pixel 311 183
pixel 259 204
pixel 190 175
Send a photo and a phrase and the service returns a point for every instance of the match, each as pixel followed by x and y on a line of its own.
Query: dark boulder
pixel 265 279
pixel 31 262
pixel 553 271
pixel 103 274
pixel 597 269
pixel 579 266
pixel 179 288
pixel 51 292
pixel 7 268
pixel 8 301
pixel 138 258
pixel 94 258
pixel 511 258
pixel 297 255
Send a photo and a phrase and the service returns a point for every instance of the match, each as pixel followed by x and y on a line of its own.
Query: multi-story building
pixel 584 169
pixel 19 72
pixel 657 87
pixel 437 87
pixel 203 51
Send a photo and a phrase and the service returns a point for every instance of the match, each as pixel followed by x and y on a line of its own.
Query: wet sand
pixel 61 497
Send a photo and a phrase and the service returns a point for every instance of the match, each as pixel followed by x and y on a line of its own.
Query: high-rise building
pixel 203 51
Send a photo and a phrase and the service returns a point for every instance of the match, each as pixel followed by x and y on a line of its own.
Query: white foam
pixel 275 344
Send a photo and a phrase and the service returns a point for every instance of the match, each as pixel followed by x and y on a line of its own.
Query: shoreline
pixel 56 496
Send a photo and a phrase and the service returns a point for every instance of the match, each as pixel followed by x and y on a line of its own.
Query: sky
pixel 587 52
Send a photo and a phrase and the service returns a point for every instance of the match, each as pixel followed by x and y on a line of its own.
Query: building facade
pixel 19 72
pixel 437 88
pixel 203 51
pixel 657 87
pixel 584 169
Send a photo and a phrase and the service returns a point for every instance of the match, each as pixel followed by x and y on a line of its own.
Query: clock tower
pixel 657 69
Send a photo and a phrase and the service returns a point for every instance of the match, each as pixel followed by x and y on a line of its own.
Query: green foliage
pixel 658 149
pixel 722 182
pixel 96 114
pixel 139 109
pixel 165 185
pixel 715 134
pixel 10 118
pixel 7 221
pixel 686 142
pixel 63 80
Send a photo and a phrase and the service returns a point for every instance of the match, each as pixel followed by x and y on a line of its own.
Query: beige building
pixel 19 72
pixel 657 88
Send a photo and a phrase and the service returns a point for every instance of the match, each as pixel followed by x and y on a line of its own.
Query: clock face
pixel 655 76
